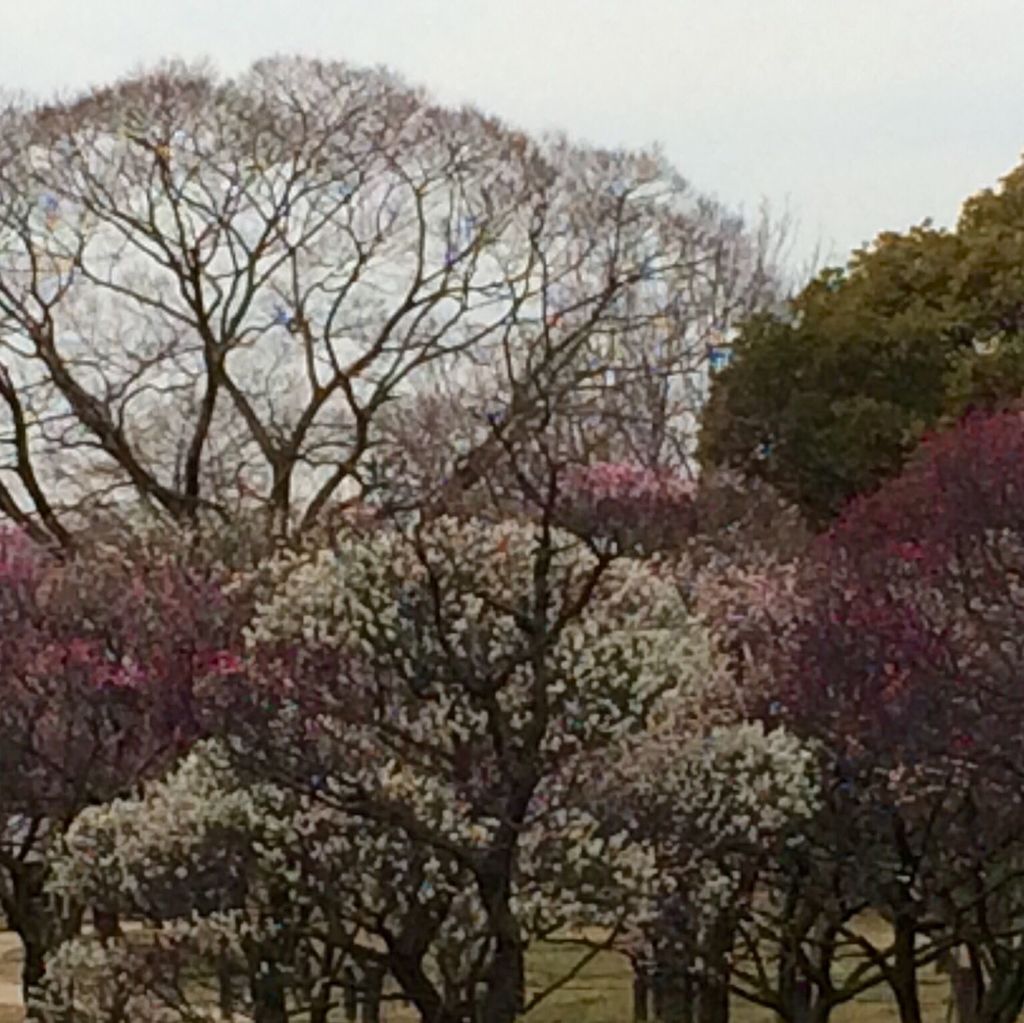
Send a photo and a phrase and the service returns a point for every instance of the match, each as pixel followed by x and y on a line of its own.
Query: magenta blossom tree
pixel 904 659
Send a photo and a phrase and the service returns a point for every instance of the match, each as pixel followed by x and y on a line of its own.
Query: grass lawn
pixel 602 993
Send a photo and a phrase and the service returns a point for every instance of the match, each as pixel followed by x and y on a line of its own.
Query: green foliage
pixel 828 399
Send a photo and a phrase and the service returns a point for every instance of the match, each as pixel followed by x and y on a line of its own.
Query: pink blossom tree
pixel 99 653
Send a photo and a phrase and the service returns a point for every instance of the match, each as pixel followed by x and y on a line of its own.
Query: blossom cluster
pixel 638 508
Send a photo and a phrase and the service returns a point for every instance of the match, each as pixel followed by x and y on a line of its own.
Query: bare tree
pixel 211 291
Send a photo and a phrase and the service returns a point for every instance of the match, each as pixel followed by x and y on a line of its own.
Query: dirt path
pixel 10 969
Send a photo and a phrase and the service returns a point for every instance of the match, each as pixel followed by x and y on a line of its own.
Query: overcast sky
pixel 861 116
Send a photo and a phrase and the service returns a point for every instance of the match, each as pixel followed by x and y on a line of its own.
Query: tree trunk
pixel 713 997
pixel 674 1002
pixel 268 995
pixel 963 995
pixel 796 992
pixel 39 923
pixel 40 931
pixel 506 985
pixel 641 992
pixel 27 915
pixel 521 973
pixel 1002 1000
pixel 800 1005
pixel 1008 1007
pixel 823 999
pixel 672 989
pixel 33 967
pixel 320 985
pixel 106 925
pixel 713 1001
pixel 965 985
pixel 373 988
pixel 350 994
pixel 903 975
pixel 418 988
pixel 225 991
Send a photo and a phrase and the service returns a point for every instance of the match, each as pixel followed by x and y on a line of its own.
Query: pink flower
pixel 223 662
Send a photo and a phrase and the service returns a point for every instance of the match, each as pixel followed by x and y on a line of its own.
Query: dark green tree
pixel 826 399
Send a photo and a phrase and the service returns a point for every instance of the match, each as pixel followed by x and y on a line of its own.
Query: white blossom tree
pixel 440 713
pixel 244 884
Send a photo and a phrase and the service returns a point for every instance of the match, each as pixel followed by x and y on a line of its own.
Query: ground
pixel 600 994
pixel 10 978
